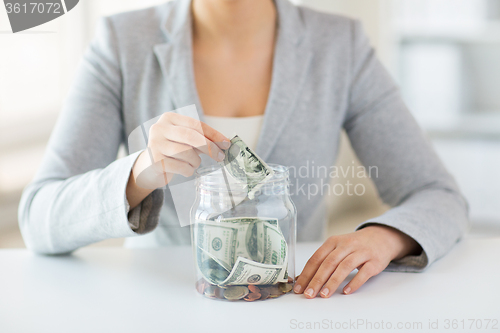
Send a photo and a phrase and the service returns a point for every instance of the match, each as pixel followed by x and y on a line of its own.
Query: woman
pixel 291 77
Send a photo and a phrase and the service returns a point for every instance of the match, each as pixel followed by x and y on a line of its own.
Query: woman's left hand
pixel 370 250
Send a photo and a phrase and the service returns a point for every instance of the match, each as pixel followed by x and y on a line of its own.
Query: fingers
pixel 179 152
pixel 211 134
pixel 365 272
pixel 343 270
pixel 325 271
pixel 153 176
pixel 172 165
pixel 313 264
pixel 369 250
pixel 174 145
pixel 193 138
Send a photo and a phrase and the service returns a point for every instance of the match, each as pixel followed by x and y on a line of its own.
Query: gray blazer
pixel 325 77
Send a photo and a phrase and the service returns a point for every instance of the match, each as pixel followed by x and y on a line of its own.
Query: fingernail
pixel 297 288
pixel 221 156
pixel 347 290
pixel 226 144
pixel 325 292
pixel 309 292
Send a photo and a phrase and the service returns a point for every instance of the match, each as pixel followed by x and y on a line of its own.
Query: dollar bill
pixel 246 166
pixel 275 247
pixel 253 246
pixel 212 271
pixel 272 221
pixel 250 241
pixel 207 256
pixel 219 244
pixel 246 272
pixel 222 243
pixel 219 241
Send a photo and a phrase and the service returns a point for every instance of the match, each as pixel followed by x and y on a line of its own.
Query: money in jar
pixel 243 228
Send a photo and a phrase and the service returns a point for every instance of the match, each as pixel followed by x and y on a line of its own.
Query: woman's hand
pixel 179 140
pixel 174 145
pixel 370 250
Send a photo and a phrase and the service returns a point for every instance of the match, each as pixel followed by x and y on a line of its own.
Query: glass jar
pixel 244 248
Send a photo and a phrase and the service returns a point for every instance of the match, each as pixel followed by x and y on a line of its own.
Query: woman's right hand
pixel 174 145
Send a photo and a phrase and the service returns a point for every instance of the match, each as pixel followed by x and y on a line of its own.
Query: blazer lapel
pixel 291 62
pixel 176 57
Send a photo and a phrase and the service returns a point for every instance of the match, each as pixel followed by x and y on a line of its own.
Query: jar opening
pixel 213 177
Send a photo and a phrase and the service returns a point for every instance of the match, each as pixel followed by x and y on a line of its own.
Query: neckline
pixel 290 65
pixel 235 118
pixel 274 71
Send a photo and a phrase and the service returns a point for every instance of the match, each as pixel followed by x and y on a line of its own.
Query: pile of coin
pixel 248 293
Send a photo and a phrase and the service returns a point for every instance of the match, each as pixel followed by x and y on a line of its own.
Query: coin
pixel 274 290
pixel 253 288
pixel 210 291
pixel 285 287
pixel 200 286
pixel 252 297
pixel 219 293
pixel 264 293
pixel 235 293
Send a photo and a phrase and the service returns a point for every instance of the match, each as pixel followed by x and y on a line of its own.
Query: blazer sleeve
pixel 409 176
pixel 78 195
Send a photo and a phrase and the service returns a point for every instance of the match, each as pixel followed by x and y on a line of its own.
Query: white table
pixel 152 290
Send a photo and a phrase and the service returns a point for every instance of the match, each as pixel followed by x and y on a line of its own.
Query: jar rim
pixel 203 174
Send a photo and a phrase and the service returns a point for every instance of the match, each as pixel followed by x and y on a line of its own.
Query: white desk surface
pixel 152 290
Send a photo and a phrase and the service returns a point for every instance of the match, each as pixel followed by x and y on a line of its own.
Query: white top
pixel 152 290
pixel 247 128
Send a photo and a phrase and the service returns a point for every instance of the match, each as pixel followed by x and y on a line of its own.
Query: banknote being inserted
pixel 244 165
